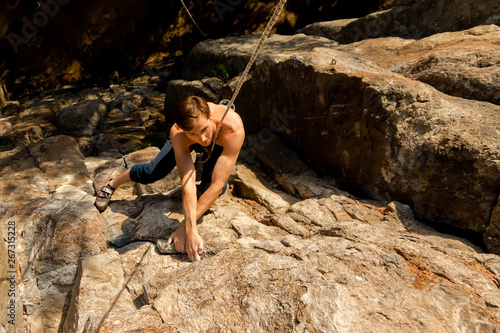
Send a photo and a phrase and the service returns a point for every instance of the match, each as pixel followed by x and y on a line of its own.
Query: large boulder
pixel 374 261
pixel 81 119
pixel 177 90
pixel 284 249
pixel 392 137
pixel 401 20
pixel 464 64
pixel 234 52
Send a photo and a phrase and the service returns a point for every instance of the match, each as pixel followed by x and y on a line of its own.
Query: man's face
pixel 202 132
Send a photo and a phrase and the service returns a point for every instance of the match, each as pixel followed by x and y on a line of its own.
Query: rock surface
pixel 177 90
pixel 3 94
pixel 47 188
pixel 402 20
pixel 286 250
pixel 392 137
pixel 464 64
pixel 81 119
pixel 234 52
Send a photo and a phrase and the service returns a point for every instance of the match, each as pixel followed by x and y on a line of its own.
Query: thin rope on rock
pixel 267 30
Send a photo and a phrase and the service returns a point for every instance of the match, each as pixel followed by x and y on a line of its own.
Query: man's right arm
pixel 186 238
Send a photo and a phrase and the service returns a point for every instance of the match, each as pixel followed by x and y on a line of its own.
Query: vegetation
pixel 223 73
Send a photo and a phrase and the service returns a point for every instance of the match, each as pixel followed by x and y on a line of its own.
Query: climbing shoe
pixel 104 197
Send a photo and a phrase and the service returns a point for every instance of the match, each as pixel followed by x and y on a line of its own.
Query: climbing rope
pixel 267 30
pixel 192 19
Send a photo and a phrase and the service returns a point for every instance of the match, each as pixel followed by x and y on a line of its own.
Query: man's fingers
pixel 180 247
pixel 194 257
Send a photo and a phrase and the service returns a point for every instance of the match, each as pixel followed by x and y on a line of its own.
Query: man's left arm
pixel 222 170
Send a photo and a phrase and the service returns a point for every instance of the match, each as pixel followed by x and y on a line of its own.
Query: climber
pixel 195 122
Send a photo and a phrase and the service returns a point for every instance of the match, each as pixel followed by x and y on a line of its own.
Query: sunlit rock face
pixel 391 136
pixel 294 245
pixel 285 250
pixel 410 19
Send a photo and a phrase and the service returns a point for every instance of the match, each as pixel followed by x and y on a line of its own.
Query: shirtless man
pixel 195 124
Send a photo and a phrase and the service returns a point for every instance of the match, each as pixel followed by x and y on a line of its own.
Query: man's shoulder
pixel 233 133
pixel 233 124
pixel 177 136
pixel 175 130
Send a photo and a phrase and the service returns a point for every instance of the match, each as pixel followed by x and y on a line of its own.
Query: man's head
pixel 187 112
pixel 192 115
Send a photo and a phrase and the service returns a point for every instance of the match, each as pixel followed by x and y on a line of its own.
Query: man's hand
pixel 179 238
pixel 192 243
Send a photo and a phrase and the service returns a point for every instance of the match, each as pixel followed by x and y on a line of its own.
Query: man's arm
pixel 220 174
pixel 186 238
pixel 223 167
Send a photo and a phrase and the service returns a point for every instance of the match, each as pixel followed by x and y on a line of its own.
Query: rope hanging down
pixel 192 19
pixel 267 30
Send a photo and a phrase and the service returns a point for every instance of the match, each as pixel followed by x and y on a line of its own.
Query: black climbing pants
pixel 164 162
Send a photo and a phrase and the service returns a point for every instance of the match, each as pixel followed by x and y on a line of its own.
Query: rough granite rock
pixel 233 54
pixel 57 236
pixel 177 90
pixel 97 292
pixel 391 137
pixel 144 320
pixel 47 188
pixel 81 119
pixel 402 21
pixel 248 185
pixel 325 263
pixel 464 64
pixel 285 249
